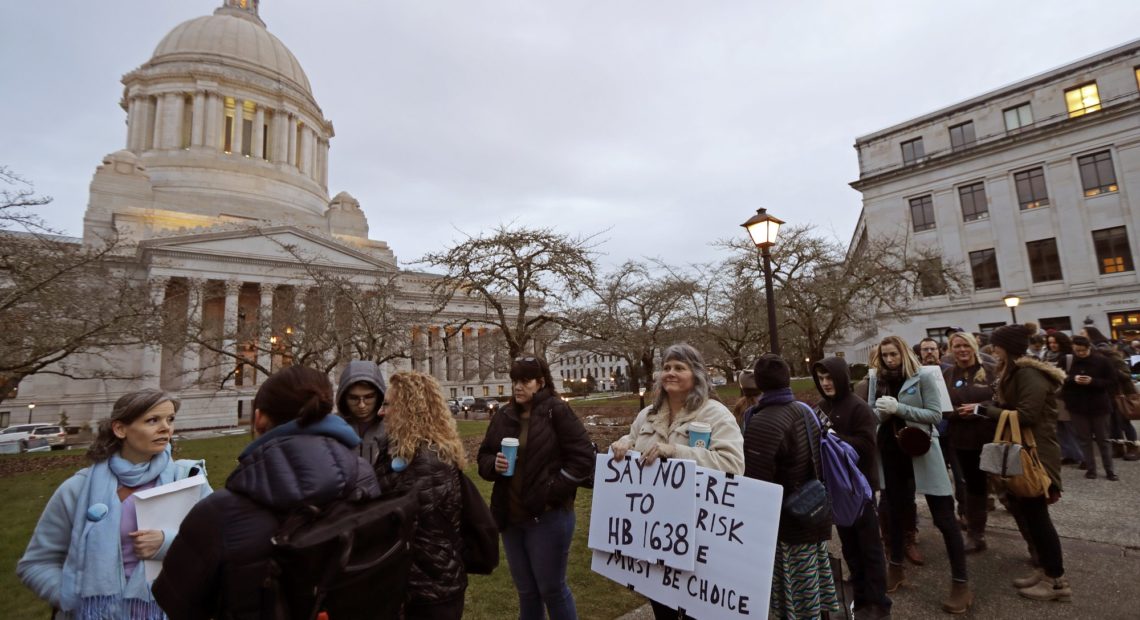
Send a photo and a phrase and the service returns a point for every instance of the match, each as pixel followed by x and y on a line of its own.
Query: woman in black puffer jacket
pixel 425 454
pixel 534 508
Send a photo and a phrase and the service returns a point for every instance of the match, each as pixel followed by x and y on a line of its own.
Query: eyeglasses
pixel 365 398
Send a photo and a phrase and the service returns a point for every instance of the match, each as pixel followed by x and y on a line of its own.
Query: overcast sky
pixel 664 123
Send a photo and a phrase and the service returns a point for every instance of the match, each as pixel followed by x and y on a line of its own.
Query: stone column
pixel 265 330
pixel 198 119
pixel 158 140
pixel 280 136
pixel 172 124
pixel 306 163
pixel 215 111
pixel 133 124
pixel 259 133
pixel 239 116
pixel 191 356
pixel 291 130
pixel 152 353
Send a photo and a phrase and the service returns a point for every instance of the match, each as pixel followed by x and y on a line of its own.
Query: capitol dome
pixel 232 37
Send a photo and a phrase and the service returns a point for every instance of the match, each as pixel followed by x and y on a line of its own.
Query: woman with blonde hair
pixel 425 455
pixel 970 383
pixel 908 404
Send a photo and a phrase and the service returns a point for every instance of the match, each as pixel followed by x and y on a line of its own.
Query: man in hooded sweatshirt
pixel 853 421
pixel 359 397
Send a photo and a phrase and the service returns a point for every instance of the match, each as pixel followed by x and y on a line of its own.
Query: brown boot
pixel 1132 451
pixel 913 553
pixel 1049 589
pixel 896 577
pixel 1030 581
pixel 977 516
pixel 960 598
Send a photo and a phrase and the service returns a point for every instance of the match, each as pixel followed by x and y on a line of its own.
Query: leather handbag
pixel 809 505
pixel 1012 457
pixel 913 441
pixel 1128 405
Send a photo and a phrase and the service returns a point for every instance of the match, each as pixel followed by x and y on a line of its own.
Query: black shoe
pixel 1112 477
pixel 1090 474
pixel 1082 465
pixel 1068 461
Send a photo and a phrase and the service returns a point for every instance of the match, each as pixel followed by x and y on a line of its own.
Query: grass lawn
pixel 492 596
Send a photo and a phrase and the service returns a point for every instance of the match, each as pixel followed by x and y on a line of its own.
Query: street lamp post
pixel 31 408
pixel 1011 302
pixel 641 394
pixel 763 229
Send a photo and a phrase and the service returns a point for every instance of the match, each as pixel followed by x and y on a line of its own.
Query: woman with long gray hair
pixel 682 399
pixel 83 558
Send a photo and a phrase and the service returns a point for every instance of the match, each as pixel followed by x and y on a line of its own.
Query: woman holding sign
pixel 84 556
pixel 685 423
pixel 536 452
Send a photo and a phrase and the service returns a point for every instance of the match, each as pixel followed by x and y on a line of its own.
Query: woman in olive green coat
pixel 1029 387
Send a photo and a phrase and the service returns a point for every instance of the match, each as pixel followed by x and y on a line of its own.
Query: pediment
pixel 281 244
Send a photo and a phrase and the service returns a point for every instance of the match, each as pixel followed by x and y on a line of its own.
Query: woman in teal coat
pixel 906 398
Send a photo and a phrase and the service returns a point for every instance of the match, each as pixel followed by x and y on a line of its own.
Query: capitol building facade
pixel 221 196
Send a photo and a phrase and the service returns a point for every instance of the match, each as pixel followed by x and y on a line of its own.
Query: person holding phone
pixel 1087 387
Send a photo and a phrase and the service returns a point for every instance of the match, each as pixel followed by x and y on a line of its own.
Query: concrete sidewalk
pixel 1099 525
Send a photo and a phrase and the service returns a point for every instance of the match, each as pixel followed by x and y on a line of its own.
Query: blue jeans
pixel 537 552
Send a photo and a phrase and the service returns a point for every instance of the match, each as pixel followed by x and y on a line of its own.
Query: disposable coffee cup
pixel 699 434
pixel 510 449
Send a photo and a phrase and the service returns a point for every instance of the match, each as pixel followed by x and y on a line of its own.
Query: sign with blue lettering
pixel 645 511
pixel 735 526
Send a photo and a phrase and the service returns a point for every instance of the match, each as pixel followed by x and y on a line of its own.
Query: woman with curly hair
pixel 425 456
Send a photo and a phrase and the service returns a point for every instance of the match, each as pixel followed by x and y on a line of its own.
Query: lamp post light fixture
pixel 641 394
pixel 763 229
pixel 1011 302
pixel 31 408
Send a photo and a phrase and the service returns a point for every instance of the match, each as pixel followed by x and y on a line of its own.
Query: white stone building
pixel 572 364
pixel 1034 189
pixel 225 167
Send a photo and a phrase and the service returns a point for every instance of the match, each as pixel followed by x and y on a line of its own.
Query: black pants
pixel 1121 426
pixel 863 551
pixel 451 609
pixel 1036 526
pixel 950 456
pixel 898 474
pixel 1086 427
pixel 977 484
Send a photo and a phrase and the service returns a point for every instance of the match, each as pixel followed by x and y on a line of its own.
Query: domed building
pixel 220 201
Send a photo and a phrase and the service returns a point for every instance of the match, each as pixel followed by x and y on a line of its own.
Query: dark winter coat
pixel 437 572
pixel 1094 398
pixel 372 432
pixel 969 385
pixel 558 457
pixel 216 566
pixel 777 449
pixel 851 418
pixel 1032 392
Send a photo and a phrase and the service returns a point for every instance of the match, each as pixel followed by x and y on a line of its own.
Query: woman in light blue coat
pixel 905 398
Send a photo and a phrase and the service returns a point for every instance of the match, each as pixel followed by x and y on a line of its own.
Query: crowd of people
pixel 314 447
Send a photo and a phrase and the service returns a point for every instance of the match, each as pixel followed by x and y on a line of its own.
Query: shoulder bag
pixel 477 529
pixel 809 505
pixel 1012 457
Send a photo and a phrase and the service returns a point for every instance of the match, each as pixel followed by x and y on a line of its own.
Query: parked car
pixel 18 438
pixel 56 436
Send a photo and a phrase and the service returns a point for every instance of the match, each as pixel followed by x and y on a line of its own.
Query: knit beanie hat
pixel 1013 338
pixel 772 373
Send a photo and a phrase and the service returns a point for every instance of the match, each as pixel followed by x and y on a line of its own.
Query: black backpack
pixel 349 559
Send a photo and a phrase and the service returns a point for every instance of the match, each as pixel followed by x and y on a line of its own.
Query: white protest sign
pixel 736 524
pixel 163 508
pixel 645 511
pixel 940 383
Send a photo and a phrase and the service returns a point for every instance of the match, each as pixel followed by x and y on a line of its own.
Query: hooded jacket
pixel 372 432
pixel 218 563
pixel 851 418
pixel 1031 391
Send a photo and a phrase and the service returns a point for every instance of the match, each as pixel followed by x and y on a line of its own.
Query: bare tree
pixel 633 312
pixel 520 274
pixel 823 291
pixel 725 310
pixel 60 298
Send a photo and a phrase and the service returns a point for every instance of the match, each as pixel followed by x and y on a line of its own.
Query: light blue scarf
pixel 93 584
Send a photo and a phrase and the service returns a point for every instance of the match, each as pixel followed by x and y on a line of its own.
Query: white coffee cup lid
pixel 700 427
pixel 510 441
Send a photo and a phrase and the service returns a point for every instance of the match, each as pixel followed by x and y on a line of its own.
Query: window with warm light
pixel 912 151
pixel 247 128
pixel 1113 252
pixel 973 200
pixel 922 213
pixel 1018 117
pixel 1082 100
pixel 1031 191
pixel 1097 174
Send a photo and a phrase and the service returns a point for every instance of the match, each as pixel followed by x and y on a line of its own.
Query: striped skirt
pixel 802 586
